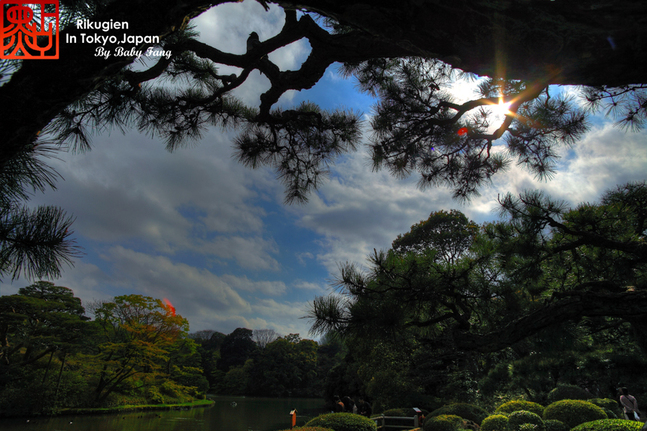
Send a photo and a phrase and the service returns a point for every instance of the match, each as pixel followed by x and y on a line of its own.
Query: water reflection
pixel 227 414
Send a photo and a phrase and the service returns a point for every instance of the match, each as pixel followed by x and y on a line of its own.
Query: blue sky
pixel 215 238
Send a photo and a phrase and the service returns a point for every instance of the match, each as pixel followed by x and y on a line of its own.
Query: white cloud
pixel 285 317
pixel 249 253
pixel 301 257
pixel 319 288
pixel 182 283
pixel 266 287
pixel 359 210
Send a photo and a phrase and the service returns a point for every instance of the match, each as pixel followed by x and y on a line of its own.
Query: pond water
pixel 227 414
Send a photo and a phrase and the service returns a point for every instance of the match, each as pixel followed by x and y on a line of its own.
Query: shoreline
pixel 135 408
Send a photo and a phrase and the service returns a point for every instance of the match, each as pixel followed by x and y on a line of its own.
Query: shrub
pixel 574 412
pixel 466 411
pixel 605 403
pixel 153 395
pixel 555 425
pixel 495 423
pixel 611 414
pixel 608 404
pixel 516 419
pixel 343 422
pixel 443 423
pixel 610 425
pixel 568 392
pixel 528 427
pixel 517 405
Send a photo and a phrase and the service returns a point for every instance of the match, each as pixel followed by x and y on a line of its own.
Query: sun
pixel 502 109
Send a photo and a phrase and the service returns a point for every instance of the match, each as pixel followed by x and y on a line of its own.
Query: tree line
pixel 137 350
pixel 262 363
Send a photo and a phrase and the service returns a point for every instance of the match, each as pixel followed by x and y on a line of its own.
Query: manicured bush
pixel 610 425
pixel 608 403
pixel 343 422
pixel 574 412
pixel 495 423
pixel 516 419
pixel 464 410
pixel 517 405
pixel 528 427
pixel 605 403
pixel 443 423
pixel 568 392
pixel 555 425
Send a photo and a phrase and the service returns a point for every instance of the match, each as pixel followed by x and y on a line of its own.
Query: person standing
pixel 629 405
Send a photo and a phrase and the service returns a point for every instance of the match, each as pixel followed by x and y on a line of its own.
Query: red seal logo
pixel 29 30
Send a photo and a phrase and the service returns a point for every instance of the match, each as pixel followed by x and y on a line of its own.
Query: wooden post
pixel 418 415
pixel 293 416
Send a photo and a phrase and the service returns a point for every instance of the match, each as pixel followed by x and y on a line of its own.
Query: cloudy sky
pixel 215 238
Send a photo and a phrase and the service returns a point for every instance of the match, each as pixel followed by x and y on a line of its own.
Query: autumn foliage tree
pixel 135 336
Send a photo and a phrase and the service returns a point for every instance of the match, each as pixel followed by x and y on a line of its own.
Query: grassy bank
pixel 137 408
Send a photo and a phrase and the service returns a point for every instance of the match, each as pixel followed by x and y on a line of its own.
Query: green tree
pixel 184 365
pixel 41 319
pixel 286 367
pixel 237 379
pixel 136 335
pixel 449 233
pixel 209 350
pixel 236 348
pixel 34 242
pixel 40 328
pixel 549 279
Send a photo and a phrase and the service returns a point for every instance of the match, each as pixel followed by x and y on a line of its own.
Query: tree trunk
pixel 581 43
pixel 60 375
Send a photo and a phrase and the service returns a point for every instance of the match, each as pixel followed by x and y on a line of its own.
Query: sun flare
pixel 502 108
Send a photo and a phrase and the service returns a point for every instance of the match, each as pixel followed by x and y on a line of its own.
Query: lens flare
pixel 169 306
pixel 503 108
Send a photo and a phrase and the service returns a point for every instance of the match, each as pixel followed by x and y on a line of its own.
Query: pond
pixel 227 414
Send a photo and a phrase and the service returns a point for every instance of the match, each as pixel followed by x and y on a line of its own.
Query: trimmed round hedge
pixel 521 417
pixel 609 404
pixel 610 425
pixel 443 423
pixel 605 403
pixel 555 425
pixel 517 405
pixel 568 392
pixel 464 410
pixel 574 412
pixel 343 422
pixel 495 423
